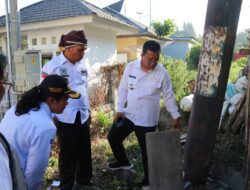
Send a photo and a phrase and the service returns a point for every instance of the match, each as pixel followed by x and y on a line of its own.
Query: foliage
pixel 193 55
pixel 235 69
pixel 102 154
pixel 187 31
pixel 24 43
pixel 104 120
pixel 241 40
pixel 180 75
pixel 164 29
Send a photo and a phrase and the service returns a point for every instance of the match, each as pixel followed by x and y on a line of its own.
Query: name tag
pixel 131 76
pixel 84 72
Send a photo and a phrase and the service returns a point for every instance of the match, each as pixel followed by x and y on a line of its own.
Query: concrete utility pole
pixel 12 33
pixel 214 65
pixel 12 26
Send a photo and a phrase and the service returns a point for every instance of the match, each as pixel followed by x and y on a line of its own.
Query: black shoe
pixel 117 166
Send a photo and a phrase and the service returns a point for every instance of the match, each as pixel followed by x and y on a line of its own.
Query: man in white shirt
pixel 140 90
pixel 75 163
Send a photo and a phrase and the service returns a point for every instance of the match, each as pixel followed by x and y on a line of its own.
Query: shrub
pixel 104 119
pixel 235 69
pixel 193 55
pixel 180 75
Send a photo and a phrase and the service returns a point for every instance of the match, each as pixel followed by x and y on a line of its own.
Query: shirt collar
pixel 45 107
pixel 64 60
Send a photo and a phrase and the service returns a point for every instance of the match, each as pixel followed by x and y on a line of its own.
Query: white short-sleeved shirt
pixel 142 92
pixel 77 78
pixel 5 175
pixel 31 136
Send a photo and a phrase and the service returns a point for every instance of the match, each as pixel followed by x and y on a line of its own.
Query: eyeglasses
pixel 6 84
pixel 151 61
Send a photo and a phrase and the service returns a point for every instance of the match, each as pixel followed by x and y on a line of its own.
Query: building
pixel 179 48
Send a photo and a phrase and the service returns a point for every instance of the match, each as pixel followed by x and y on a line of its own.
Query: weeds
pixel 235 69
pixel 180 76
pixel 104 120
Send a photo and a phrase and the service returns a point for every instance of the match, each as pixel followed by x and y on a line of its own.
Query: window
pixel 53 40
pixel 43 41
pixel 34 41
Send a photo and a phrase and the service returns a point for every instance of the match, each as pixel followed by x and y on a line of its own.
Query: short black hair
pixel 3 63
pixel 152 46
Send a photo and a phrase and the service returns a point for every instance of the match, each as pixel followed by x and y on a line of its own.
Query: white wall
pixel 101 43
pixel 101 47
pixel 48 33
pixel 177 50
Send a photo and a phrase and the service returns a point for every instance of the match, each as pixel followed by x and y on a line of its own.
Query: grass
pixel 101 155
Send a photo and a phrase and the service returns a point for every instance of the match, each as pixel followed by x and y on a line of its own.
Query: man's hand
pixel 118 115
pixel 176 124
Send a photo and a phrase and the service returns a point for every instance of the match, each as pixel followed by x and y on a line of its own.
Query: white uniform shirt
pixel 5 176
pixel 77 77
pixel 142 92
pixel 31 136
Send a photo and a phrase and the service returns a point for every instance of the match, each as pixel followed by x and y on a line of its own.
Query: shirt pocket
pixel 83 73
pixel 132 83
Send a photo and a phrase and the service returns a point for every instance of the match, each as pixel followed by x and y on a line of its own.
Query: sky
pixel 180 11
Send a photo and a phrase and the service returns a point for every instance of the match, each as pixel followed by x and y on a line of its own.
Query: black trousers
pixel 116 136
pixel 75 163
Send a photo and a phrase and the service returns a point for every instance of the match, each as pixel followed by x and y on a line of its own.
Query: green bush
pixel 180 75
pixel 104 119
pixel 235 69
pixel 193 55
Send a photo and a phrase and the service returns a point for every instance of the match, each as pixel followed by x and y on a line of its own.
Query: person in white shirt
pixel 138 106
pixel 75 163
pixel 30 129
pixel 5 173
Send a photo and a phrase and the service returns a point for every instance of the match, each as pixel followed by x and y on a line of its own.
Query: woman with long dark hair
pixel 29 126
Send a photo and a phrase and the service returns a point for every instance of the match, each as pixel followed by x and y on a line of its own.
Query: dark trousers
pixel 116 136
pixel 75 163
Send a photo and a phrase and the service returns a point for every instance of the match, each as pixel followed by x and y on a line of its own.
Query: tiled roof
pixel 46 10
pixel 116 6
pixel 142 28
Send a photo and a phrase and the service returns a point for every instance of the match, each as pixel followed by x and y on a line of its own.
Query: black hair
pixel 33 97
pixel 152 46
pixel 3 63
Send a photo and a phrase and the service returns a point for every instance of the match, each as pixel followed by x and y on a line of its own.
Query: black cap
pixel 55 84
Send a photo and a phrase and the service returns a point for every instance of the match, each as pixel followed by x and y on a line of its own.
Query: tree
pixel 241 40
pixel 187 31
pixel 193 55
pixel 164 29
